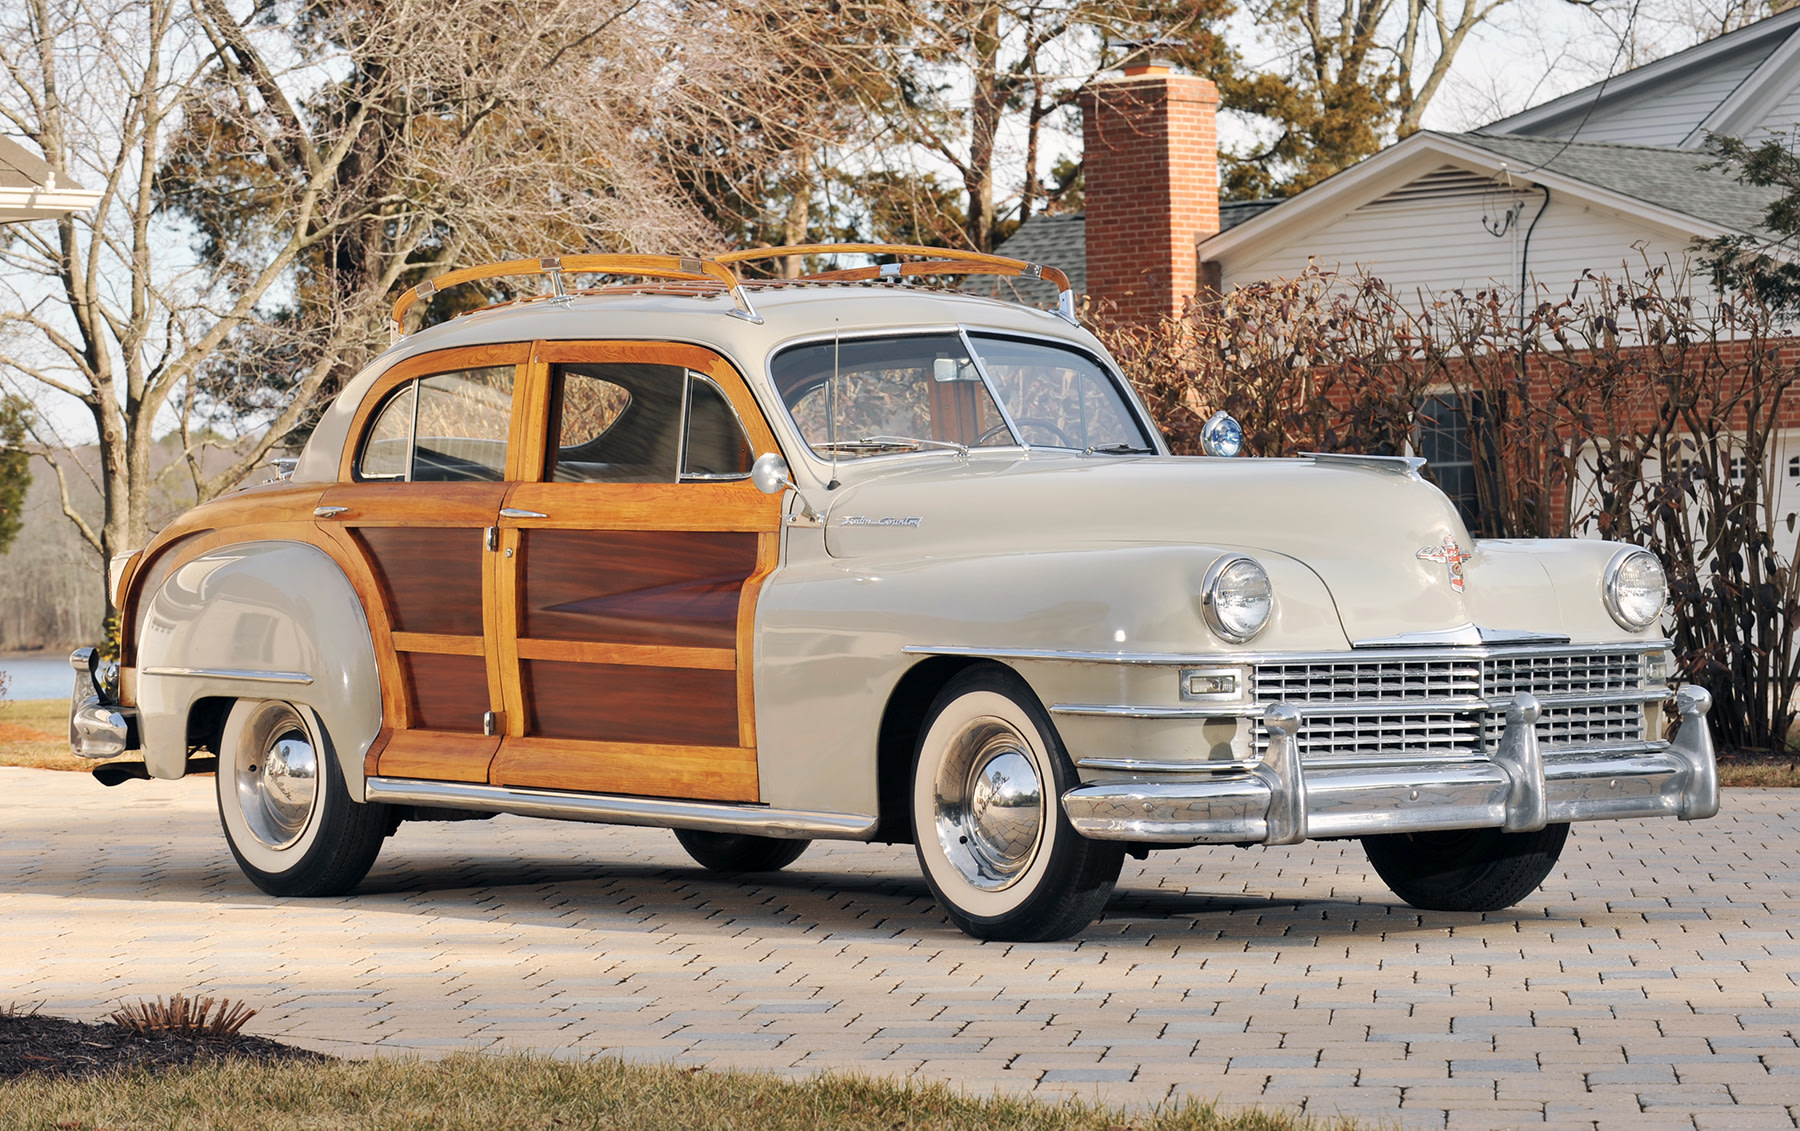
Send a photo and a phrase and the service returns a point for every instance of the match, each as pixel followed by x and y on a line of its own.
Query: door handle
pixel 518 512
pixel 328 512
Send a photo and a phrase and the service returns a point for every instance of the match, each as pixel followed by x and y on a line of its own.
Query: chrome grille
pixel 1592 673
pixel 1579 725
pixel 1360 680
pixel 1442 679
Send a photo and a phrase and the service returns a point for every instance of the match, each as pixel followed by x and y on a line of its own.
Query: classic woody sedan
pixel 851 557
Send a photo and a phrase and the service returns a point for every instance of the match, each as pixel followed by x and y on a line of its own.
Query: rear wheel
pixel 1465 869
pixel 740 852
pixel 282 800
pixel 998 851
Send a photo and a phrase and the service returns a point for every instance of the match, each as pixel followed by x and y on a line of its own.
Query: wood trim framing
pixel 707 773
pixel 439 643
pixel 631 655
pixel 438 756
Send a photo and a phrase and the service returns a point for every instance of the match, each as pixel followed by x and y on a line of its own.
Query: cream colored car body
pixel 1080 571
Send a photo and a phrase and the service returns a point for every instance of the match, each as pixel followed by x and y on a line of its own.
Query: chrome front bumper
pixel 98 726
pixel 1517 789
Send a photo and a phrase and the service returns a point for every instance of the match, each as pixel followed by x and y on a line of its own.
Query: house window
pixel 1452 429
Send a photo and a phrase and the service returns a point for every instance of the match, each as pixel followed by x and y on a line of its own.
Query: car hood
pixel 1360 527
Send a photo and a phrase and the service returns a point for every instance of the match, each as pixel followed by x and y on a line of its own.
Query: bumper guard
pixel 98 726
pixel 1518 789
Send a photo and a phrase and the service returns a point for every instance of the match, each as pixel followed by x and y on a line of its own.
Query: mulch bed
pixel 53 1046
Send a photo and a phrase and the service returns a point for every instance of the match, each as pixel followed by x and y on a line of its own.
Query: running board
pixel 613 809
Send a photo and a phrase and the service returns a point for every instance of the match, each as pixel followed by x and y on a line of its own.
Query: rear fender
pixel 259 620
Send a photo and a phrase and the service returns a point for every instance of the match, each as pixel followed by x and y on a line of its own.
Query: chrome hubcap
pixel 277 776
pixel 989 805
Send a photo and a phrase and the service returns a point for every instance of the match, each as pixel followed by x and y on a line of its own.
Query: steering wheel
pixel 1025 422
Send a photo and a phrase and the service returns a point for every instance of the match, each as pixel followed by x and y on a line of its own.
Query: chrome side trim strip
pixel 1469 652
pixel 613 809
pixel 1407 466
pixel 1149 766
pixel 1128 711
pixel 1448 705
pixel 231 673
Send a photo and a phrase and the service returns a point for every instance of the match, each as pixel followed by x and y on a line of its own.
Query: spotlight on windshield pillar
pixel 1221 435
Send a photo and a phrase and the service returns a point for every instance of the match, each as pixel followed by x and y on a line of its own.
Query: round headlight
pixel 1221 435
pixel 1636 589
pixel 1237 598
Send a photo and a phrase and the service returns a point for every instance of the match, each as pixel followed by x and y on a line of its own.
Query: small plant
pixel 184 1016
pixel 13 1010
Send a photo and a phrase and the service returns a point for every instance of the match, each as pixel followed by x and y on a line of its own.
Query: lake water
pixel 37 677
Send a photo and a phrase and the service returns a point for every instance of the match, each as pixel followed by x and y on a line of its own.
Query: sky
pixel 1529 52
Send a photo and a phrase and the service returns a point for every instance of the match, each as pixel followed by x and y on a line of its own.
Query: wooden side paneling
pixel 432 577
pixel 702 773
pixel 634 587
pixel 448 692
pixel 622 703
pixel 437 756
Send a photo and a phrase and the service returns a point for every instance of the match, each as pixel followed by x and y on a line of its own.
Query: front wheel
pixel 996 848
pixel 287 814
pixel 1465 869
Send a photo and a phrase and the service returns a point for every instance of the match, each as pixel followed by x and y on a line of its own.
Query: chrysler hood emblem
pixel 1452 557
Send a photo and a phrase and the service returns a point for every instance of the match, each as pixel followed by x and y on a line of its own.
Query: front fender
pixel 260 620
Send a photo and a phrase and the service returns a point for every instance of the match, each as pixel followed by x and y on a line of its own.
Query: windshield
pixel 1059 397
pixel 874 396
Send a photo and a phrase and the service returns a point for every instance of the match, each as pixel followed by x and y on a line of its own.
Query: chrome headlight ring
pixel 1237 598
pixel 1635 589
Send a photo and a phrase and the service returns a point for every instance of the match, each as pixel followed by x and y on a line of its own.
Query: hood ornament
pixel 1453 558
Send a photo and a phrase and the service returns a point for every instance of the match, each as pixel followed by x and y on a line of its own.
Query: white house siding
pixel 1437 244
pixel 1785 117
pixel 1664 115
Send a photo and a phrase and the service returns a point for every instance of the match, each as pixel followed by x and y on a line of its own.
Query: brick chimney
pixel 1152 173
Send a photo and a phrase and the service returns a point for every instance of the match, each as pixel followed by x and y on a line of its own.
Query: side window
pixel 615 423
pixel 715 446
pixel 447 428
pixel 387 450
pixel 462 426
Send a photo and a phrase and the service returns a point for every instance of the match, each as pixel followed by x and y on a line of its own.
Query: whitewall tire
pixel 997 850
pixel 282 801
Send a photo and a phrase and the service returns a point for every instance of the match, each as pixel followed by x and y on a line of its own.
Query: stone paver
pixel 1653 982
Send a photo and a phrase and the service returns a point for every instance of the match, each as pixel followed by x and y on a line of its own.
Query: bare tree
pixel 266 183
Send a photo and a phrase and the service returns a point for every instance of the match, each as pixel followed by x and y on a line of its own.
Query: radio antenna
pixel 831 412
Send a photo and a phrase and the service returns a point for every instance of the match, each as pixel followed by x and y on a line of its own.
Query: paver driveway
pixel 1654 981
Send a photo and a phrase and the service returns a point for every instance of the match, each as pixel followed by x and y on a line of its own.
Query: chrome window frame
pixel 682 475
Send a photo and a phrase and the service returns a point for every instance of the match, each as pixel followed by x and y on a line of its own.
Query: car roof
pixel 700 316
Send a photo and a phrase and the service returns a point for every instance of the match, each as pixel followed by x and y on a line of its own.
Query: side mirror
pixel 770 474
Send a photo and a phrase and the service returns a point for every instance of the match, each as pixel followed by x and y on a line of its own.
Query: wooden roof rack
pixel 555 266
pixel 717 271
pixel 940 261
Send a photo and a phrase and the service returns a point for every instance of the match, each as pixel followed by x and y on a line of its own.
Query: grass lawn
pixel 493 1092
pixel 35 732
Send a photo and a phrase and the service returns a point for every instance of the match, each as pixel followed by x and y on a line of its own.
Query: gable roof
pixel 1670 187
pixel 1727 85
pixel 1061 241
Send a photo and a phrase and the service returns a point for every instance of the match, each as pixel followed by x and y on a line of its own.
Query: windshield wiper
pixel 1118 450
pixel 876 443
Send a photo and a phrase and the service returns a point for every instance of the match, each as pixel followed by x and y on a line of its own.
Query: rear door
pixel 419 493
pixel 631 553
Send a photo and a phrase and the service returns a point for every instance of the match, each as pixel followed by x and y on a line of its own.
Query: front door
pixel 418 496
pixel 630 558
